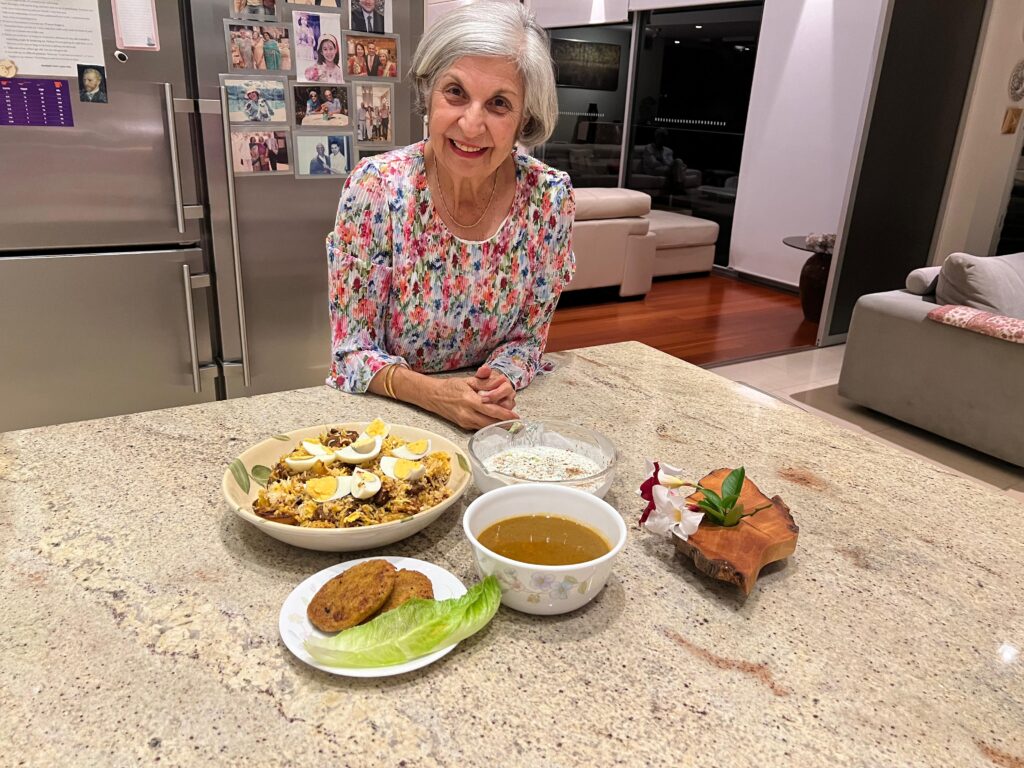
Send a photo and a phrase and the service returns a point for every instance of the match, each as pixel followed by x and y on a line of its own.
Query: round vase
pixel 813 279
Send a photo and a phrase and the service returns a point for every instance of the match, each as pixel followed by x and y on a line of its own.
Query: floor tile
pixel 760 374
pixel 812 365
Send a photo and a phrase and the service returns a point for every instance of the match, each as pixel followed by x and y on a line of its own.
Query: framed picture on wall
pixel 583 64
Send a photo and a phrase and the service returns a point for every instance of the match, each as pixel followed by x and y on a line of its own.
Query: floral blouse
pixel 404 289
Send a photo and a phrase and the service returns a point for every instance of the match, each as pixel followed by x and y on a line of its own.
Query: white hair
pixel 503 29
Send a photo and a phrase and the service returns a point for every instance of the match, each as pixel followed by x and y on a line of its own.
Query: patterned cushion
pixel 980 321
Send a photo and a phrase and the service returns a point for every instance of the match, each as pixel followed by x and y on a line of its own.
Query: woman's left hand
pixel 494 387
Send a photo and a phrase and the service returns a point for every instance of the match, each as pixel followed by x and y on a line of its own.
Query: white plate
pixel 295 627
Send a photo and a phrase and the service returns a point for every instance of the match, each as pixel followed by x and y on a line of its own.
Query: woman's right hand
pixel 456 400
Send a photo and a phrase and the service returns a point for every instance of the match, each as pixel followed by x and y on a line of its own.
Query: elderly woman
pixel 452 253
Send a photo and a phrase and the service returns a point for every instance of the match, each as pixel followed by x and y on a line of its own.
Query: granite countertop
pixel 139 615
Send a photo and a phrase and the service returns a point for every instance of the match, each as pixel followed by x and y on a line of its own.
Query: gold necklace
pixel 440 190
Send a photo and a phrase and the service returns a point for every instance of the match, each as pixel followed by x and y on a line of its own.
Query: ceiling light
pixel 676 42
pixel 698 26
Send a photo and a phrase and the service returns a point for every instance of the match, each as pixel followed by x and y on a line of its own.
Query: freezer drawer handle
pixel 172 140
pixel 243 337
pixel 191 281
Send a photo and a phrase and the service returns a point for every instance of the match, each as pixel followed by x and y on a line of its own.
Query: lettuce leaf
pixel 414 629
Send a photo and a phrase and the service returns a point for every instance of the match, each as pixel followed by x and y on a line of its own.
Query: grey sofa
pixel 956 383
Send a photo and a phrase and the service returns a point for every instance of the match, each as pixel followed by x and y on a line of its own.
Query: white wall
pixel 576 13
pixel 983 168
pixel 815 63
pixel 435 9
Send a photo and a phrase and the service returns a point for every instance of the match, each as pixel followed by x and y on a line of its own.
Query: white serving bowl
pixel 544 589
pixel 548 433
pixel 240 488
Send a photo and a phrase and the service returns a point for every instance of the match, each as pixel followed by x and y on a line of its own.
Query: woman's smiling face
pixel 476 111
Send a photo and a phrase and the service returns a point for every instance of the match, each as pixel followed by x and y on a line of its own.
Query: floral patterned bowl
pixel 544 589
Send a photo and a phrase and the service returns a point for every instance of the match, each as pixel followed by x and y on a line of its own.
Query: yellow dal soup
pixel 544 540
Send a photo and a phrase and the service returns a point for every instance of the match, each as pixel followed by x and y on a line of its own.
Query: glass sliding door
pixel 694 71
pixel 591 66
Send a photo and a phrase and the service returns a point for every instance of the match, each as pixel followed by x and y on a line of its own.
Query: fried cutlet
pixel 408 584
pixel 352 596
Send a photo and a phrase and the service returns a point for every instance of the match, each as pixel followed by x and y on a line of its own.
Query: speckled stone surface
pixel 138 621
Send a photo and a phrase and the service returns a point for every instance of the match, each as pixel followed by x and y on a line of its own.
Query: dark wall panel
pixel 926 68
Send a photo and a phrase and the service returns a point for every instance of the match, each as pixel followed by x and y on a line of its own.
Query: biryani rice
pixel 285 499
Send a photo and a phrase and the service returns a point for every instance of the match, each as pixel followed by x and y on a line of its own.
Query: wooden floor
pixel 703 320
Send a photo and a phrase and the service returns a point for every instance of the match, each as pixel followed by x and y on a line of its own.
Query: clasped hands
pixel 475 401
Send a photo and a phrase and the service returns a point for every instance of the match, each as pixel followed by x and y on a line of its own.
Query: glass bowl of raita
pixel 535 451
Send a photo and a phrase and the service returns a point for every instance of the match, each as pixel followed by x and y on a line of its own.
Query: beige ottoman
pixel 683 244
pixel 611 241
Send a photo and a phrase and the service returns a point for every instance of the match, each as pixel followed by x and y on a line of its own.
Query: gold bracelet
pixel 389 374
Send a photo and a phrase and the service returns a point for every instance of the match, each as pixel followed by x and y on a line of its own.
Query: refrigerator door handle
pixel 172 140
pixel 189 281
pixel 233 219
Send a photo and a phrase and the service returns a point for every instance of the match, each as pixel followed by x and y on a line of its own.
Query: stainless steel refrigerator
pixel 135 271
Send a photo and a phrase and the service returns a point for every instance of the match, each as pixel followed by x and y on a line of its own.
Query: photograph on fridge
pixel 371 56
pixel 253 47
pixel 371 111
pixel 321 155
pixel 317 51
pixel 372 16
pixel 319 3
pixel 259 152
pixel 256 100
pixel 320 106
pixel 253 9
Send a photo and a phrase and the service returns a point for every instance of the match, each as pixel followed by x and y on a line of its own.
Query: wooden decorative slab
pixel 737 554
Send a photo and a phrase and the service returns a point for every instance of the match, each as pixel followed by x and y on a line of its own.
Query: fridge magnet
pixel 372 113
pixel 372 16
pixel 1011 119
pixel 258 47
pixel 35 101
pixel 322 155
pixel 256 100
pixel 299 4
pixel 320 106
pixel 260 152
pixel 371 56
pixel 135 27
pixel 92 83
pixel 317 53
pixel 1016 87
pixel 8 68
pixel 254 9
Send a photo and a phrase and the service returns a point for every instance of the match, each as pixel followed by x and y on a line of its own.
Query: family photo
pixel 373 116
pixel 261 9
pixel 323 154
pixel 255 101
pixel 321 105
pixel 371 16
pixel 259 47
pixel 321 3
pixel 317 52
pixel 259 152
pixel 371 56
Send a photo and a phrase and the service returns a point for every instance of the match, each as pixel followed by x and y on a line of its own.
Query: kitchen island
pixel 139 618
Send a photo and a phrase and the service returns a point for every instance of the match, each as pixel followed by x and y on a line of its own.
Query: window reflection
pixel 592 66
pixel 691 94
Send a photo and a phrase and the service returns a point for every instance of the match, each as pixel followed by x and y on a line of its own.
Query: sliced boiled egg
pixel 328 488
pixel 364 484
pixel 301 462
pixel 376 428
pixel 413 451
pixel 315 448
pixel 362 450
pixel 402 469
